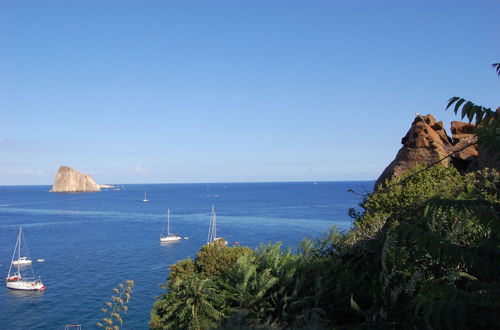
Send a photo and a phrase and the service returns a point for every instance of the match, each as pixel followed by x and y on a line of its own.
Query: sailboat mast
pixel 209 230
pixel 215 227
pixel 210 237
pixel 19 248
pixel 168 221
pixel 16 249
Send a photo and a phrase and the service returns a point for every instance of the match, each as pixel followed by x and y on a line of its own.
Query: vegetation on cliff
pixel 415 258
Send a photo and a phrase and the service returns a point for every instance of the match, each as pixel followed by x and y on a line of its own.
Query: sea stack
pixel 71 180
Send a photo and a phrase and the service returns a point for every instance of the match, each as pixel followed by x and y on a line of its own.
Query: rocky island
pixel 70 180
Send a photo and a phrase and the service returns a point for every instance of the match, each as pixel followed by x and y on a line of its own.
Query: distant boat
pixel 212 229
pixel 40 260
pixel 168 237
pixel 22 261
pixel 145 200
pixel 19 277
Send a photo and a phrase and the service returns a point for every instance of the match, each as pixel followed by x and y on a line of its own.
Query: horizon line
pixel 220 182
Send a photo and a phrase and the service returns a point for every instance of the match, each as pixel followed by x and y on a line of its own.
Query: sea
pixel 92 242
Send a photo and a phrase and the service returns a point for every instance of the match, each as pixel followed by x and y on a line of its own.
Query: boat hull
pixel 26 285
pixel 21 262
pixel 220 240
pixel 169 238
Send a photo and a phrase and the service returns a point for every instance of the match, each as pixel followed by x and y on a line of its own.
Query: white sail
pixel 145 197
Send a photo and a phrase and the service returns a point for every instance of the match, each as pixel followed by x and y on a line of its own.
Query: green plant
pixel 215 259
pixel 193 303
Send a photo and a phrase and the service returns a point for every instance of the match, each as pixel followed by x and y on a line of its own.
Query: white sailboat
pixel 168 237
pixel 145 200
pixel 22 261
pixel 212 229
pixel 21 275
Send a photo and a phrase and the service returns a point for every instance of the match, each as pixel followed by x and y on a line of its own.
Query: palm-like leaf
pixel 496 66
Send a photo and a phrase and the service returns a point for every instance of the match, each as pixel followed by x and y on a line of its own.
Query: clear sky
pixel 224 91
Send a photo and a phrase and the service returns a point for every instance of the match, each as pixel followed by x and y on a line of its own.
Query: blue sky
pixel 224 91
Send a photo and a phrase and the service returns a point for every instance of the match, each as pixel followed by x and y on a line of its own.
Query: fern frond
pixel 443 250
pixel 488 213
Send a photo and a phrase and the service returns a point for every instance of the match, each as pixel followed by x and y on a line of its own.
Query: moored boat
pixel 212 229
pixel 168 237
pixel 22 261
pixel 20 284
pixel 21 275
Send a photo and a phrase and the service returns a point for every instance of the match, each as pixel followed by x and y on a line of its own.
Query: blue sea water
pixel 91 242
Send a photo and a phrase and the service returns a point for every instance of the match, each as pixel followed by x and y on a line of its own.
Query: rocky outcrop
pixel 463 135
pixel 427 141
pixel 71 180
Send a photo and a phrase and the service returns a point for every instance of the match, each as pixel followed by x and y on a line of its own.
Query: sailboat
pixel 212 229
pixel 20 270
pixel 168 237
pixel 145 200
pixel 22 261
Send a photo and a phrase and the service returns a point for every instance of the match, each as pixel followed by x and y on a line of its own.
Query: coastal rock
pixel 71 180
pixel 425 142
pixel 463 135
pixel 485 159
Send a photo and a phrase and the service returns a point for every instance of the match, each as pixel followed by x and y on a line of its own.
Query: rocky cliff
pixel 427 142
pixel 71 180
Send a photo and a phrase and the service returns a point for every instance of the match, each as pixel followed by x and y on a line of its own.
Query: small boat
pixel 19 278
pixel 168 237
pixel 22 261
pixel 40 260
pixel 212 229
pixel 145 200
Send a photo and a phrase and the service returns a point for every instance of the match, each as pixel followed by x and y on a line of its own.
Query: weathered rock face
pixel 425 142
pixel 463 135
pixel 71 180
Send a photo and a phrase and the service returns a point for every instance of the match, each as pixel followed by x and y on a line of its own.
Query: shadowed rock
pixel 463 135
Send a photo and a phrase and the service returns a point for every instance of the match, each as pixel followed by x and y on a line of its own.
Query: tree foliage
pixel 215 259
